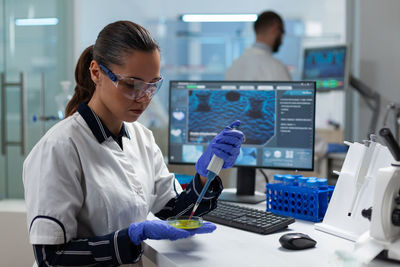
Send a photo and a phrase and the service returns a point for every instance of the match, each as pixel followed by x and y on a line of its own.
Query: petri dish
pixel 183 222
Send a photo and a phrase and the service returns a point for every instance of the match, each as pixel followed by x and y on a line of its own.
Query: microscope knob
pixel 366 213
pixel 396 217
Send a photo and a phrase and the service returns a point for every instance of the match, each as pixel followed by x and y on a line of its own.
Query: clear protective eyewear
pixel 133 88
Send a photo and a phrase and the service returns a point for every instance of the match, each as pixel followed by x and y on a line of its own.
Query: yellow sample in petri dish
pixel 183 222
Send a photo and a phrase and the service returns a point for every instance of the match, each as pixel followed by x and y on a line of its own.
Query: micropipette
pixel 213 169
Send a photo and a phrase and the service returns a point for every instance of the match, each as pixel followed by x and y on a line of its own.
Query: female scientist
pixel 91 181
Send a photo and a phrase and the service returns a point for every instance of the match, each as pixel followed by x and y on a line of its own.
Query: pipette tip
pixel 196 205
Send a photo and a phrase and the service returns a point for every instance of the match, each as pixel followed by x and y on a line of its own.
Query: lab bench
pixel 228 246
pixel 224 247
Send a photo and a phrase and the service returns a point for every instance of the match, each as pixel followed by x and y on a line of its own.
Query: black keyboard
pixel 248 219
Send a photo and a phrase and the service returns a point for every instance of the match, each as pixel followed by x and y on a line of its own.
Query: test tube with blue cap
pixel 296 178
pixel 322 183
pixel 302 181
pixel 278 178
pixel 312 183
pixel 213 169
pixel 288 179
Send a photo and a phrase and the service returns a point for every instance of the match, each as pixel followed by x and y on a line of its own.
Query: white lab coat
pixel 257 64
pixel 92 188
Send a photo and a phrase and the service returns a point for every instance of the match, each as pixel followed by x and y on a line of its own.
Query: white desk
pixel 231 247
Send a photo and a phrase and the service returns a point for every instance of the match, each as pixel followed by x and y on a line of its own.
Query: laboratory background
pixel 41 40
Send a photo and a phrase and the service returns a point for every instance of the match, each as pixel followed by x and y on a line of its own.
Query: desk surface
pixel 228 246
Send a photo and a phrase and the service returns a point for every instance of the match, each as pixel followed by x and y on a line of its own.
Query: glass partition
pixel 30 64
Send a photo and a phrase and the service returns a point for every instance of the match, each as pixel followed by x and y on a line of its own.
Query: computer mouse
pixel 297 241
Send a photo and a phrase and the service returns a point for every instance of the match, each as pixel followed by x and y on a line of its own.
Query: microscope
pixel 354 189
pixel 383 236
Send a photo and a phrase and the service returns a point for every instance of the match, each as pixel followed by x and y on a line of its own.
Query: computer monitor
pixel 327 65
pixel 277 120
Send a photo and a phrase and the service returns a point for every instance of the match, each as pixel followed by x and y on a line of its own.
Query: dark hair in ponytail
pixel 112 43
pixel 85 87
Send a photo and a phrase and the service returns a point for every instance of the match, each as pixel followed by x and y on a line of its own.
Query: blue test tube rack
pixel 307 199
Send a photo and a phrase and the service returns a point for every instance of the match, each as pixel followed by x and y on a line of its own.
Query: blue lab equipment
pixel 307 200
pixel 336 148
pixel 312 183
pixel 302 181
pixel 288 180
pixel 183 179
pixel 278 178
pixel 322 183
pixel 296 176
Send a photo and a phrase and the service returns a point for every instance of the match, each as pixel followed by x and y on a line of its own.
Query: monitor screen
pixel 277 120
pixel 328 66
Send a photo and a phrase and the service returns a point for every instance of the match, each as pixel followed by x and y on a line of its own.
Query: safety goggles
pixel 133 88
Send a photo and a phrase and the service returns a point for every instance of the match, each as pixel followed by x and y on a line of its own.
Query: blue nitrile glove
pixel 206 228
pixel 225 145
pixel 157 230
pixel 154 229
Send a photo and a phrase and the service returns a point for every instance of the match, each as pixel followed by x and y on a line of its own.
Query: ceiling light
pixel 36 22
pixel 219 17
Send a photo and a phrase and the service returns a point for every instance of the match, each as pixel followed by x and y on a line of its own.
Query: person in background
pixel 257 62
pixel 91 181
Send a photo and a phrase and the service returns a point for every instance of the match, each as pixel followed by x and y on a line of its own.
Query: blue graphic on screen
pixel 191 153
pixel 178 120
pixel 209 109
pixel 247 156
pixel 327 66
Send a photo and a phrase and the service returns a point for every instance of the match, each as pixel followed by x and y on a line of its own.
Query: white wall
pixel 378 53
pixel 92 15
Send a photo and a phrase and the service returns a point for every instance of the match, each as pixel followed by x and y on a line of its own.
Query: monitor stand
pixel 245 193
